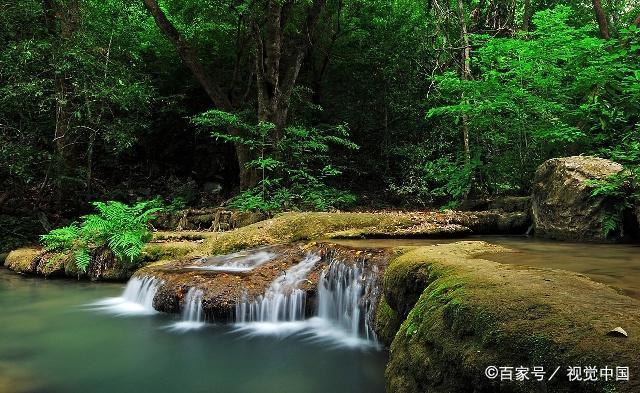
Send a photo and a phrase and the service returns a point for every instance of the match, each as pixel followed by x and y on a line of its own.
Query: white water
pixel 137 298
pixel 345 297
pixel 283 300
pixel 242 261
pixel 192 317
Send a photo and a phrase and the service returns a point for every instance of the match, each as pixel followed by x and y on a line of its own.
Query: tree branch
pixel 189 56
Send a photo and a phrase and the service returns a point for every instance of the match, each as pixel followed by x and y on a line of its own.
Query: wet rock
pixel 23 260
pixel 222 289
pixel 105 266
pixel 562 205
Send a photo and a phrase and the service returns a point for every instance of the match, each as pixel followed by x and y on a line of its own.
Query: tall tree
pixel 465 72
pixel 601 18
pixel 281 43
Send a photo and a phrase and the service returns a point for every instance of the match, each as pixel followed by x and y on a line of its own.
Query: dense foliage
pixel 293 170
pixel 123 229
pixel 249 103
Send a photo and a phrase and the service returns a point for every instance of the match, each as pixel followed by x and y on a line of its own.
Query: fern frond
pixel 123 228
pixel 83 259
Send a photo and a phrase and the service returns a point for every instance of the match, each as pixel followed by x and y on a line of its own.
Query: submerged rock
pixel 562 205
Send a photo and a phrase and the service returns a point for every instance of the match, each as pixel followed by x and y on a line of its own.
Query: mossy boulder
pixel 475 313
pixel 104 265
pixel 562 205
pixel 23 260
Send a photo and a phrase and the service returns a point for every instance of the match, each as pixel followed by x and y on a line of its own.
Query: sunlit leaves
pixel 123 228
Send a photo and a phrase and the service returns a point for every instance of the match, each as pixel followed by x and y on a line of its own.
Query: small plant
pixel 620 189
pixel 122 228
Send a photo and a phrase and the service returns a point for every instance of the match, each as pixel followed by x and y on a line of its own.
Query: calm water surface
pixel 617 265
pixel 50 341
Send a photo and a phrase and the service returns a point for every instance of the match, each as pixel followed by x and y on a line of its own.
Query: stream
pixel 67 336
pixel 54 339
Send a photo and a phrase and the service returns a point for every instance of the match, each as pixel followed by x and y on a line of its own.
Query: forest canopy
pixel 314 104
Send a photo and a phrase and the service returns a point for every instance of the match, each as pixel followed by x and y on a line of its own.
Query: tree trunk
pixel 247 176
pixel 276 71
pixel 637 21
pixel 601 17
pixel 278 62
pixel 466 75
pixel 68 17
pixel 526 16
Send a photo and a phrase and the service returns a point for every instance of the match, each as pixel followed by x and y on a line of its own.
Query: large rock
pixel 221 290
pixel 562 205
pixel 450 315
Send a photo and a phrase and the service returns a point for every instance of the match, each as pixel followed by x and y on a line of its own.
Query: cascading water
pixel 238 262
pixel 345 300
pixel 283 301
pixel 137 298
pixel 192 316
pixel 346 296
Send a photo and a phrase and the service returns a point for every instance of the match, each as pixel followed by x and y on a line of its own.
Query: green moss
pixel 53 264
pixel 387 322
pixel 153 252
pixel 22 260
pixel 473 313
pixel 292 227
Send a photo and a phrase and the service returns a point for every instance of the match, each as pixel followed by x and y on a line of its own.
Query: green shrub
pixel 122 228
pixel 295 168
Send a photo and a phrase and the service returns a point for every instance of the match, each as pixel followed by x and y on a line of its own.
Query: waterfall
pixel 137 298
pixel 346 297
pixel 192 317
pixel 283 300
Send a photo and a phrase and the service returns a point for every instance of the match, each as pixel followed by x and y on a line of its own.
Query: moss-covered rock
pixel 387 321
pixel 284 228
pixel 562 205
pixel 167 250
pixel 291 227
pixel 23 260
pixel 475 313
pixel 104 265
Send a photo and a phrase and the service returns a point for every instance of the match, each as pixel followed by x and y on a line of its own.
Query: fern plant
pixel 122 228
